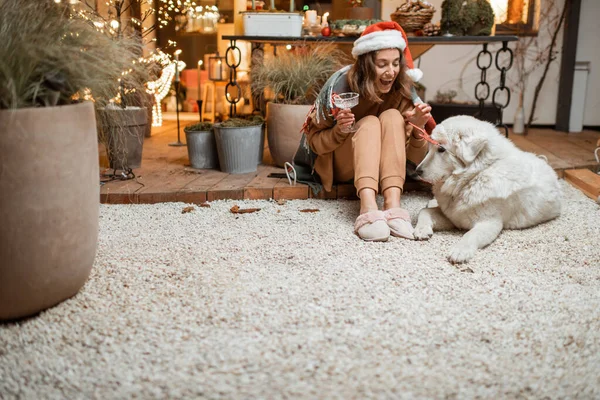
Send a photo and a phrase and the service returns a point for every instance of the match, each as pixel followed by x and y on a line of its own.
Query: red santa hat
pixel 386 35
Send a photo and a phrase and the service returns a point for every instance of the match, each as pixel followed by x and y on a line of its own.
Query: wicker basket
pixel 413 21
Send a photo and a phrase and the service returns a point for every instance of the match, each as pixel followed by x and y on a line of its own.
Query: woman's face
pixel 387 68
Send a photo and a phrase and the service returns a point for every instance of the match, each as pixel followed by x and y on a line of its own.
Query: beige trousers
pixel 375 155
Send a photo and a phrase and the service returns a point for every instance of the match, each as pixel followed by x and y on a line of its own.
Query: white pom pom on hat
pixel 386 35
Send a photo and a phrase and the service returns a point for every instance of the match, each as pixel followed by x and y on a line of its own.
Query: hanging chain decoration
pixel 482 86
pixel 504 52
pixel 236 60
pixel 482 89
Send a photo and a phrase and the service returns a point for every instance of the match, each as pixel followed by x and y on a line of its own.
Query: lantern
pixel 516 16
pixel 216 68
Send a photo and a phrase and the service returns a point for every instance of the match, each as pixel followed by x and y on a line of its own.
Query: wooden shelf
pixel 429 40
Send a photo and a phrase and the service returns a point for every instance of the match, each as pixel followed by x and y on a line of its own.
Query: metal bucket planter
pixel 125 139
pixel 238 148
pixel 202 148
pixel 49 205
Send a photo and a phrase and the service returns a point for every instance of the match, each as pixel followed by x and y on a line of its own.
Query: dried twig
pixel 237 210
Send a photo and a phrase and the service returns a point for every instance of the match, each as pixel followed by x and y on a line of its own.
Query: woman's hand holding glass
pixel 344 117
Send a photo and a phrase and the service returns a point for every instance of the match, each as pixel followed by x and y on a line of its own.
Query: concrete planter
pixel 284 122
pixel 49 205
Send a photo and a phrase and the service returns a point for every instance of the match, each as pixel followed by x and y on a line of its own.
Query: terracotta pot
pixel 284 122
pixel 49 205
pixel 359 13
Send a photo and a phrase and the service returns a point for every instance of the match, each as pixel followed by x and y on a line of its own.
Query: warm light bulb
pixel 500 8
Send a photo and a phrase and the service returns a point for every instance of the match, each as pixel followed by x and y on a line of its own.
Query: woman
pixel 375 152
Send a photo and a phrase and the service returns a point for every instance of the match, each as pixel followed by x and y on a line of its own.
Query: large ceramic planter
pixel 125 139
pixel 238 148
pixel 49 205
pixel 284 122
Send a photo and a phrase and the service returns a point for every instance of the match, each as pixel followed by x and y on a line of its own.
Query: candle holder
pixel 199 97
pixel 177 84
pixel 216 68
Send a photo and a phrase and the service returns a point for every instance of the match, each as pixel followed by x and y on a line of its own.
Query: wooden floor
pixel 165 175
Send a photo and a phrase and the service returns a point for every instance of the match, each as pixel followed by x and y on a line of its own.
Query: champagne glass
pixel 345 101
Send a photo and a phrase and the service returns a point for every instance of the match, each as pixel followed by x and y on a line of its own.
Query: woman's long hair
pixel 363 74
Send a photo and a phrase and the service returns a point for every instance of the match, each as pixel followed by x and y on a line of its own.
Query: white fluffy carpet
pixel 286 304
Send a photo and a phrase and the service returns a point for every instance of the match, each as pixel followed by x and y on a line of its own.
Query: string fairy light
pixel 162 12
pixel 160 87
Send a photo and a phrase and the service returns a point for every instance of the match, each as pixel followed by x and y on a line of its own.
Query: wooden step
pixel 586 181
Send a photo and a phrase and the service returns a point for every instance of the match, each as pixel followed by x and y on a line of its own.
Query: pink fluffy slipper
pixel 398 220
pixel 372 227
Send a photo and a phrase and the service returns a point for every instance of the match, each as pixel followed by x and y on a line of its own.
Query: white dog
pixel 483 183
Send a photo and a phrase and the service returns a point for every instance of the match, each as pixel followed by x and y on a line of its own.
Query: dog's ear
pixel 468 147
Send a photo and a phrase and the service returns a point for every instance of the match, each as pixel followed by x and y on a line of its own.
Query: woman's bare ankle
pixel 368 200
pixel 391 198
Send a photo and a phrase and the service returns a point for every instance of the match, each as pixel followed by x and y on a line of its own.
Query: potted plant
pixel 467 17
pixel 201 145
pixel 123 119
pixel 239 143
pixel 292 81
pixel 49 203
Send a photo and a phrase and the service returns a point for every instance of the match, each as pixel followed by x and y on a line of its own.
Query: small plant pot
pixel 238 148
pixel 202 149
pixel 125 141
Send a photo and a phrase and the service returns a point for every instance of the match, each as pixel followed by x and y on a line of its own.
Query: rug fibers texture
pixel 282 303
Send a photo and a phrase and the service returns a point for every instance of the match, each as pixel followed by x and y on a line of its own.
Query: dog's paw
pixel 422 232
pixel 461 254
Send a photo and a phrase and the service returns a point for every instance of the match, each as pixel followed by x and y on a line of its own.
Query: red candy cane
pixel 425 135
